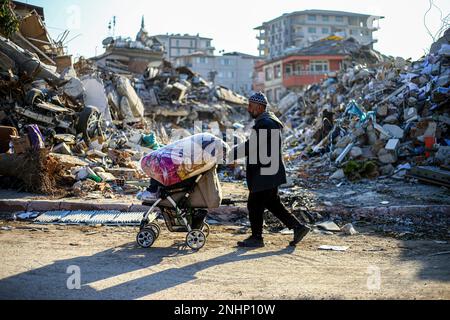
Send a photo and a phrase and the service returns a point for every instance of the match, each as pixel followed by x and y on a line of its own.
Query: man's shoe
pixel 299 234
pixel 252 242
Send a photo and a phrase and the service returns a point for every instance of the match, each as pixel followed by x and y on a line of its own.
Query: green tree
pixel 9 24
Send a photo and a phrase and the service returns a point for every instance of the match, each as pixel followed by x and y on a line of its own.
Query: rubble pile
pixel 93 123
pixel 374 120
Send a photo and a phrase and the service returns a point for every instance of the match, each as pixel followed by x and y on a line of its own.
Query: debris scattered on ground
pixel 349 229
pixel 374 119
pixel 333 248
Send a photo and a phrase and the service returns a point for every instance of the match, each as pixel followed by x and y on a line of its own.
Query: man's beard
pixel 253 115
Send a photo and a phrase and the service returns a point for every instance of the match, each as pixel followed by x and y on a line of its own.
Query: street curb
pixel 13 206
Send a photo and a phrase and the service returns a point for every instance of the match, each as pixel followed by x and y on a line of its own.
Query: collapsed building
pixel 379 117
pixel 93 122
pixel 85 127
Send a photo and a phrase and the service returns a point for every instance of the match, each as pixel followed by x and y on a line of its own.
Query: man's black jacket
pixel 265 167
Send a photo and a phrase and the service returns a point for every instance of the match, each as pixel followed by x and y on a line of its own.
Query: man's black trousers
pixel 258 202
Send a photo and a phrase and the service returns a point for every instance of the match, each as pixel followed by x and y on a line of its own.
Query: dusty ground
pixel 35 259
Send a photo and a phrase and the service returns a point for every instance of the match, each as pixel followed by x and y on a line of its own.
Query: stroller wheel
pixel 206 229
pixel 196 239
pixel 156 229
pixel 146 238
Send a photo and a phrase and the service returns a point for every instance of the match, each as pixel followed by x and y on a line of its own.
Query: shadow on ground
pixel 50 282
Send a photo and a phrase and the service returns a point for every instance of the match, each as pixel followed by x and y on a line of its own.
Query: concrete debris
pixel 101 113
pixel 328 226
pixel 388 111
pixel 334 248
pixel 349 229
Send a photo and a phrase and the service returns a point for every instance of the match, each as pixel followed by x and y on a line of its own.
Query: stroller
pixel 184 209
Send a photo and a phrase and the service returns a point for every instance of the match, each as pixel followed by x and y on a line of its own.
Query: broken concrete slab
pixel 328 226
pixel 392 145
pixel 387 157
pixel 95 95
pixel 394 131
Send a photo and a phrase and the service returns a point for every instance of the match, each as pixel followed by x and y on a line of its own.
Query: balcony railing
pixel 305 73
pixel 261 36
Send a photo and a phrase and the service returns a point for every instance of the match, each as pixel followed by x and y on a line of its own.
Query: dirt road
pixel 35 262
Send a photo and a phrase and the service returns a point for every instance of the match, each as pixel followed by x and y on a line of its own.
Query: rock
pixel 371 136
pixel 387 170
pixel 356 152
pixel 338 175
pixel 349 229
pixel 367 153
pixel 394 131
pixel 382 110
pixel 393 119
pixel 386 156
pixel 443 155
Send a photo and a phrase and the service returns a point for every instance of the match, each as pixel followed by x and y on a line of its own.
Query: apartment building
pixel 298 69
pixel 233 70
pixel 177 45
pixel 301 28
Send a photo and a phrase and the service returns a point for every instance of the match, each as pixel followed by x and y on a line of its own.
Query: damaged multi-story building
pixel 233 70
pixel 301 28
pixel 124 55
pixel 178 45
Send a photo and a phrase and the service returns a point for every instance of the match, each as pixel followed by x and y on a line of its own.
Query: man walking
pixel 265 173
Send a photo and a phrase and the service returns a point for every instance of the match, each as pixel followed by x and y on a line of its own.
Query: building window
pixel 325 18
pixel 177 43
pixel 277 72
pixel 312 30
pixel 312 18
pixel 339 19
pixel 288 69
pixel 269 74
pixel 220 74
pixel 202 60
pixel 319 66
pixel 178 51
pixel 225 62
pixel 231 74
pixel 325 31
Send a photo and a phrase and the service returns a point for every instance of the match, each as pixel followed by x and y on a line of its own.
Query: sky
pixel 231 23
